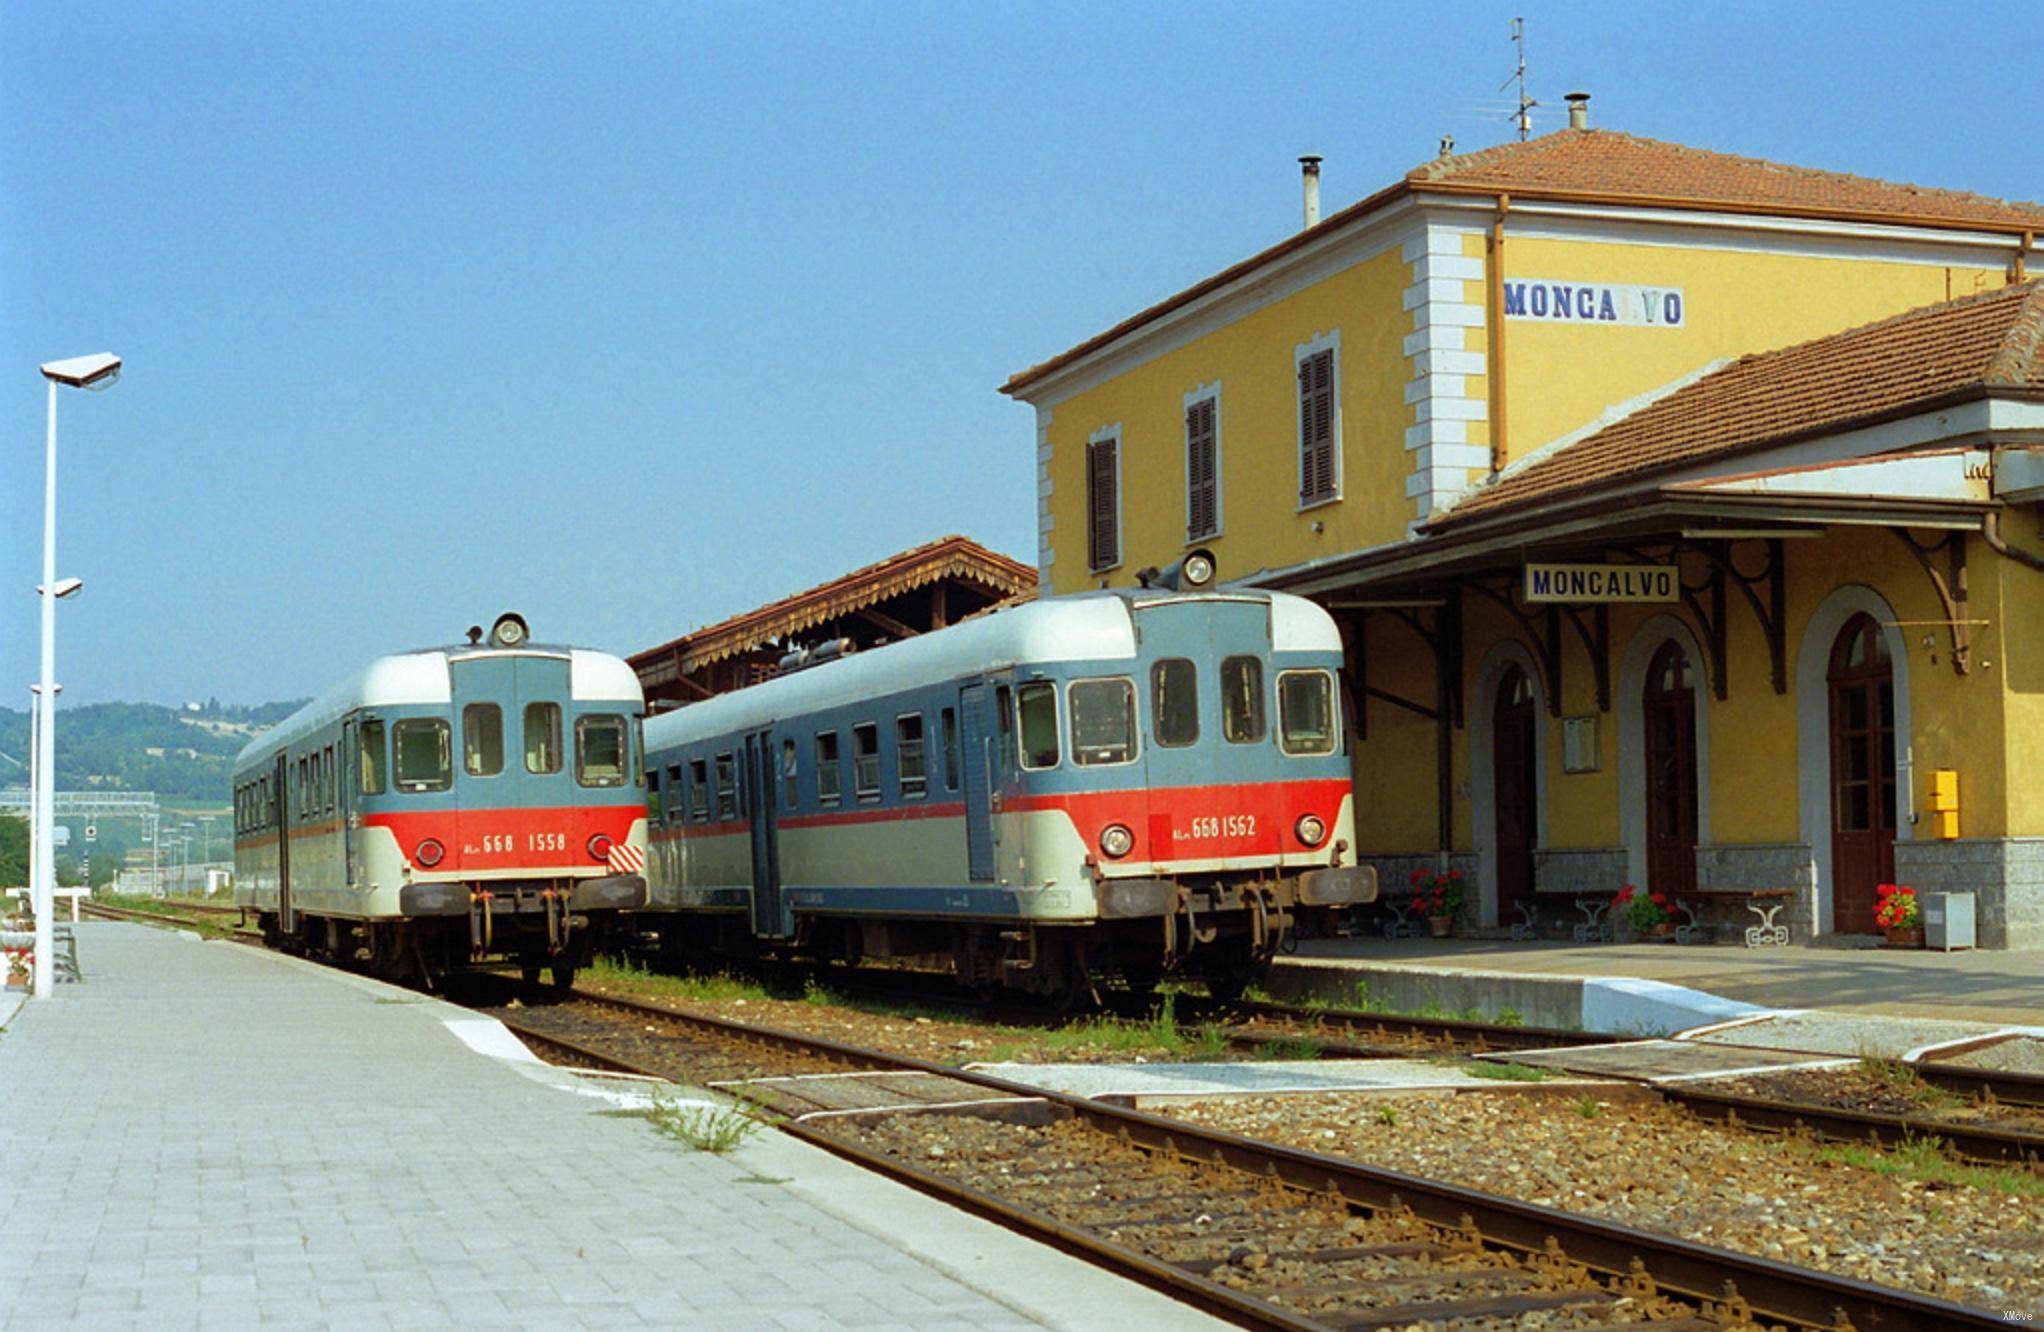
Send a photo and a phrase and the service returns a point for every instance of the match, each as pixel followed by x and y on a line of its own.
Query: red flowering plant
pixel 19 960
pixel 1896 908
pixel 1643 911
pixel 1437 894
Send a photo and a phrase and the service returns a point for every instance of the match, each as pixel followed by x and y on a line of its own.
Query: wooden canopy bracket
pixel 1950 585
pixel 1544 637
pixel 1773 615
pixel 1712 622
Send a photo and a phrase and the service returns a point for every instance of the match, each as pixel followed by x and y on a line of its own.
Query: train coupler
pixel 480 927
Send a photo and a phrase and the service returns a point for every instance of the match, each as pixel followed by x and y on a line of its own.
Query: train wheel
pixel 564 976
pixel 529 972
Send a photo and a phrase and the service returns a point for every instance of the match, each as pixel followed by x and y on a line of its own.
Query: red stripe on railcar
pixel 545 841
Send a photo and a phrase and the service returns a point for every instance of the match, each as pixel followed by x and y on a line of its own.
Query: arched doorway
pixel 1862 682
pixel 1514 777
pixel 1668 716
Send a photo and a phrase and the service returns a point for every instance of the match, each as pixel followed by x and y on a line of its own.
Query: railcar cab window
pixel 424 758
pixel 699 790
pixel 727 788
pixel 1306 721
pixel 482 739
pixel 1036 715
pixel 600 750
pixel 830 778
pixel 1174 702
pixel 910 762
pixel 866 760
pixel 949 718
pixel 542 737
pixel 1103 721
pixel 1242 706
pixel 370 762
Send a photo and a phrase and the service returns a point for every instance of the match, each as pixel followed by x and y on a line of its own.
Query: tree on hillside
pixel 13 852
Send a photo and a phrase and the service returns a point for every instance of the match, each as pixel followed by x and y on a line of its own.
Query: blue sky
pixel 634 316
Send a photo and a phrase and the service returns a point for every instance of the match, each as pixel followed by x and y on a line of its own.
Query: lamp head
pixel 65 588
pixel 97 371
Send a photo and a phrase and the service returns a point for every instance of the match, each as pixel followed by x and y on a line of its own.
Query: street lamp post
pixel 94 372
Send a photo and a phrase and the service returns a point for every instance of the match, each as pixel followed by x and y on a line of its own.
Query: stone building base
pixel 2005 874
pixel 1790 865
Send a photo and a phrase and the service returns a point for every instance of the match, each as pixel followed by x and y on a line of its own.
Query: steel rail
pixel 1489 1035
pixel 1975 1143
pixel 1187 1287
pixel 1985 1083
pixel 1696 1271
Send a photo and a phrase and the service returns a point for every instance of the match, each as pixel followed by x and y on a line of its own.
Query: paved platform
pixel 1999 988
pixel 205 1135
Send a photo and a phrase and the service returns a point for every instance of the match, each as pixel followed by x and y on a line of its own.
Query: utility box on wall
pixel 1948 920
pixel 1944 803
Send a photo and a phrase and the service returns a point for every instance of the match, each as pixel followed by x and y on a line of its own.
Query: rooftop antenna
pixel 1524 115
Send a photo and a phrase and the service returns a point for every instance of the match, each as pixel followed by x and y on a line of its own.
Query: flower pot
pixel 1664 930
pixel 1440 925
pixel 17 982
pixel 1904 936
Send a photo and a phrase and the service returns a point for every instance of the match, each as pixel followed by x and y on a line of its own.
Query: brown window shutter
pixel 1103 541
pixel 1202 480
pixel 1316 427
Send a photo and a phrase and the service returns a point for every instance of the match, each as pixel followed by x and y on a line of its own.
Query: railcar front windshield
pixel 1036 703
pixel 600 750
pixel 1103 721
pixel 1306 723
pixel 1174 693
pixel 424 754
pixel 1242 707
pixel 542 737
pixel 482 739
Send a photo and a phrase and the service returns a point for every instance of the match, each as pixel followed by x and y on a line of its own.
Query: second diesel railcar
pixel 1114 785
pixel 451 805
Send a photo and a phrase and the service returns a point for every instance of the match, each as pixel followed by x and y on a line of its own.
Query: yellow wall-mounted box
pixel 1945 823
pixel 1944 791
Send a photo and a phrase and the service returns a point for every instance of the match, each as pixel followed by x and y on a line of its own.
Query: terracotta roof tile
pixel 946 557
pixel 1993 340
pixel 1620 168
pixel 1614 165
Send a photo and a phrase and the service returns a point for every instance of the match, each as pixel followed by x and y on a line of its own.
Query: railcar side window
pixel 1103 721
pixel 866 760
pixel 1242 709
pixel 1004 709
pixel 1036 707
pixel 482 739
pixel 698 789
pixel 949 718
pixel 829 777
pixel 910 764
pixel 369 760
pixel 1306 723
pixel 329 778
pixel 727 788
pixel 789 770
pixel 542 737
pixel 1174 702
pixel 600 750
pixel 424 754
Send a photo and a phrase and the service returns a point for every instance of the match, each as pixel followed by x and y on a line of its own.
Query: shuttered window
pixel 1202 471
pixel 1316 427
pixel 1103 504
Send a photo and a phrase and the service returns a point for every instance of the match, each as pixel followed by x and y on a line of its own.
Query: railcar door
pixel 976 760
pixel 349 783
pixel 287 916
pixel 770 914
pixel 485 703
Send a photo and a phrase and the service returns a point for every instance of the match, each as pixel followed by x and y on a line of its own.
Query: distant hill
pixel 183 753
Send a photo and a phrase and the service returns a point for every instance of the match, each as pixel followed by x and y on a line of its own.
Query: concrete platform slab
pixel 1145 1083
pixel 1668 1061
pixel 209 1135
pixel 1854 1034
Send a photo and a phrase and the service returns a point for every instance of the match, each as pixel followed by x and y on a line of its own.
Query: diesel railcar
pixel 1110 786
pixel 450 805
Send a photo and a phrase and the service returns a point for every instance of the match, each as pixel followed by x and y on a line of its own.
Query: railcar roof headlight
pixel 509 630
pixel 429 853
pixel 599 847
pixel 1199 569
pixel 1311 830
pixel 1116 841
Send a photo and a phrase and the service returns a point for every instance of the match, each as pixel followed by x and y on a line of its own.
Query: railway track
pixel 1262 1234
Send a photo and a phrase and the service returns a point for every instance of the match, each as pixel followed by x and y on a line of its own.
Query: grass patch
pixel 1292 1047
pixel 702 1128
pixel 1587 1107
pixel 1354 997
pixel 1496 1072
pixel 637 980
pixel 1159 1033
pixel 1387 1115
pixel 1897 1076
pixel 1925 1161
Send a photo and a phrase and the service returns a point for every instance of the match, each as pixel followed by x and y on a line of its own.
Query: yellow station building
pixel 1681 512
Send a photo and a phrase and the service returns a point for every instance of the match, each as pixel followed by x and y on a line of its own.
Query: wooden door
pixel 1669 712
pixel 1862 773
pixel 1513 782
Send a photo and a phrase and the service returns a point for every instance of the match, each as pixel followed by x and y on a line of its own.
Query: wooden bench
pixel 1764 903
